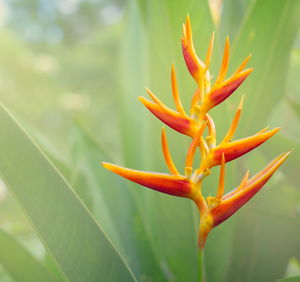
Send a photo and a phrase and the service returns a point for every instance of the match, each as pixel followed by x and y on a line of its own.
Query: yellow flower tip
pixel 247 71
pixel 188 27
pixel 153 97
pixel 278 160
pixel 243 64
pixel 175 92
pixel 263 130
pixel 167 154
pixel 209 51
pixel 241 186
pixel 108 166
pixel 220 192
pixel 225 62
pixel 234 124
pixel 194 145
pixel 274 130
pixel 244 181
pixel 148 104
pixel 240 107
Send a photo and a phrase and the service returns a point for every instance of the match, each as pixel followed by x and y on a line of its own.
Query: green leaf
pixel 268 31
pixel 113 205
pixel 20 264
pixel 233 13
pixel 67 229
pixel 295 106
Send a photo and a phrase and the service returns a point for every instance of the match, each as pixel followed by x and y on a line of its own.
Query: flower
pixel 206 96
pixel 213 210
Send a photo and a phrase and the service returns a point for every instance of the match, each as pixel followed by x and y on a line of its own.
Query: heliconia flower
pixel 201 127
pixel 206 96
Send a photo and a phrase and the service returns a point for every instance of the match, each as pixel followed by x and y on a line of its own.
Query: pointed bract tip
pixel 286 154
pixel 187 19
pixel 142 99
pixel 108 166
pixel 248 71
pixel 154 98
pixel 276 129
pixel 188 28
pixel 240 107
pixel 172 67
pixel 244 181
pixel 227 40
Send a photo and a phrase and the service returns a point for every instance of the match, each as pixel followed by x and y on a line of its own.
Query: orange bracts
pixel 207 96
pixel 213 210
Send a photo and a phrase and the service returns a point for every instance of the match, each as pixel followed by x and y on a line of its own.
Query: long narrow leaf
pixel 80 248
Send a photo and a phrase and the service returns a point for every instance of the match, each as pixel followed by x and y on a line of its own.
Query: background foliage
pixel 70 74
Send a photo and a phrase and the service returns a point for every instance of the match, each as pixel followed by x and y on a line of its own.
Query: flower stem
pixel 201 264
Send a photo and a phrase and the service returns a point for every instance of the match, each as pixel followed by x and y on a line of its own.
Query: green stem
pixel 201 265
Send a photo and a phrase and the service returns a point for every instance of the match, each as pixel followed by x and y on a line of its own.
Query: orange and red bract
pixel 213 210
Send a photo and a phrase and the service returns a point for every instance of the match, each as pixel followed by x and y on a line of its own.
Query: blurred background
pixel 71 72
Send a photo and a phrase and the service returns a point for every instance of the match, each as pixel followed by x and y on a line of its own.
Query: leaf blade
pixel 19 263
pixel 27 172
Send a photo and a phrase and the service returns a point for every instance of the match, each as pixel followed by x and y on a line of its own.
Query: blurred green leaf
pixel 113 205
pixel 108 198
pixel 295 106
pixel 20 264
pixel 268 31
pixel 233 14
pixel 80 248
